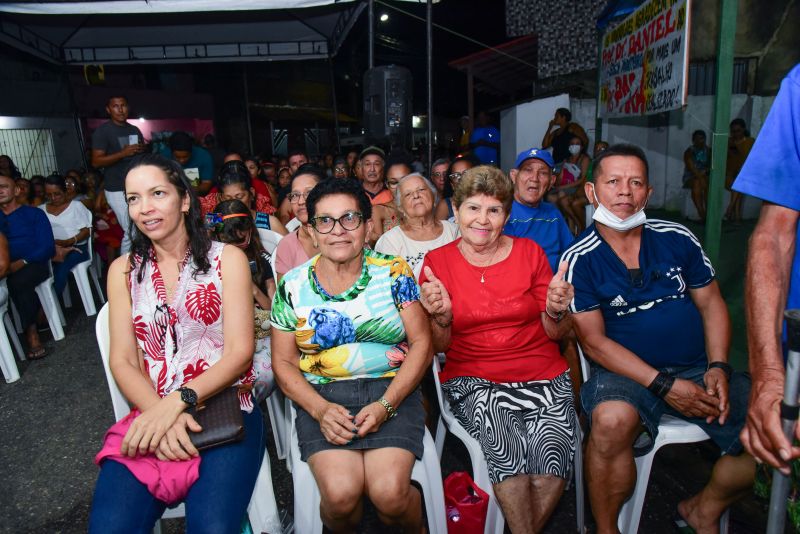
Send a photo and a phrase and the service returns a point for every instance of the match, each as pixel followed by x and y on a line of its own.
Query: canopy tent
pixel 178 31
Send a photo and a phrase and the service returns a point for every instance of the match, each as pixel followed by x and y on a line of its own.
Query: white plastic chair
pixel 427 473
pixel 292 225
pixel 495 522
pixel 8 364
pixel 276 402
pixel 269 239
pixel 671 430
pixel 81 275
pixel 262 510
pixel 52 309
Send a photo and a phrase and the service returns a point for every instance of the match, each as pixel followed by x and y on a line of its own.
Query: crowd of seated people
pixel 378 267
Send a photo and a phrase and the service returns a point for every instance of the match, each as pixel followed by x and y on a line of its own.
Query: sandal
pixel 37 354
pixel 681 525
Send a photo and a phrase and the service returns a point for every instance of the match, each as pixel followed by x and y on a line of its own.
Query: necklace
pixel 169 291
pixel 485 267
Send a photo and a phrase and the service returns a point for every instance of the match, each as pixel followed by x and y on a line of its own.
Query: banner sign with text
pixel 645 61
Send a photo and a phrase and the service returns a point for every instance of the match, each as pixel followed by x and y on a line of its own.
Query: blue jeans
pixel 216 503
pixel 61 269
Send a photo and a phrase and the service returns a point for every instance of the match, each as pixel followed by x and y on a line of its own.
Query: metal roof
pixel 178 31
pixel 503 69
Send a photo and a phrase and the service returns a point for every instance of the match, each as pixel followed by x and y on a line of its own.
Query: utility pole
pixel 721 131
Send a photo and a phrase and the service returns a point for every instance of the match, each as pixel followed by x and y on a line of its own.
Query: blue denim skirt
pixel 405 431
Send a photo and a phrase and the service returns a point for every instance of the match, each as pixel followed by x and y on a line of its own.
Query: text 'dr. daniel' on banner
pixel 645 61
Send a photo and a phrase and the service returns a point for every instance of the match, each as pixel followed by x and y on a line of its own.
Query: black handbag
pixel 221 419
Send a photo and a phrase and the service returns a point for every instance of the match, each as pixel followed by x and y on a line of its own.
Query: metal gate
pixel 31 149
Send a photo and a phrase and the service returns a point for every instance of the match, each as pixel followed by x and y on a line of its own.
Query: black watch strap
pixel 661 384
pixel 189 396
pixel 726 368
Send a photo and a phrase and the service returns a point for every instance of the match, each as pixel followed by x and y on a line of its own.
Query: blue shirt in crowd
pixel 200 159
pixel 486 154
pixel 29 234
pixel 772 170
pixel 543 224
pixel 649 312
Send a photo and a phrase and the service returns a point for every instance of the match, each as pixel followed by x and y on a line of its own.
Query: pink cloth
pixel 290 253
pixel 165 480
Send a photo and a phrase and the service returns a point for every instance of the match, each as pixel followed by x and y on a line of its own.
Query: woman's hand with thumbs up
pixel 559 293
pixel 436 299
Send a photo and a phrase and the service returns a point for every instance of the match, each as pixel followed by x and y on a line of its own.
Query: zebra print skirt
pixel 522 427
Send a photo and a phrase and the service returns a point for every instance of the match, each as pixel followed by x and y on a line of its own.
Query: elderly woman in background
pixel 419 230
pixel 72 226
pixel 496 310
pixel 350 344
pixel 299 246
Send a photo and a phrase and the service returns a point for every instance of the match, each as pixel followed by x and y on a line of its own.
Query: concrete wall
pixel 524 126
pixel 666 136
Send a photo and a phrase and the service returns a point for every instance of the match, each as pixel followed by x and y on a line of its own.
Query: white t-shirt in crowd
pixel 396 243
pixel 70 221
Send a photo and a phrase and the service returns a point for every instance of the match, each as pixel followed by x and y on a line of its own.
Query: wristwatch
pixel 726 368
pixel 188 396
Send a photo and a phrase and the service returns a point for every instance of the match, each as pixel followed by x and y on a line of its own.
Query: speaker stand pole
pixel 371 33
pixel 429 24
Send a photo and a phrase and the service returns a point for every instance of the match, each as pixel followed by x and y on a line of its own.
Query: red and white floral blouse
pixel 182 338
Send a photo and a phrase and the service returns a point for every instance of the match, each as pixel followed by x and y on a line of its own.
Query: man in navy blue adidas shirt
pixel 650 316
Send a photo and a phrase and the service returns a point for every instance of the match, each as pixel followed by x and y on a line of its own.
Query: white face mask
pixel 574 149
pixel 604 216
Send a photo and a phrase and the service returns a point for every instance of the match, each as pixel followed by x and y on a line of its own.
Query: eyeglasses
pixel 339 170
pixel 456 176
pixel 324 224
pixel 439 174
pixel 294 196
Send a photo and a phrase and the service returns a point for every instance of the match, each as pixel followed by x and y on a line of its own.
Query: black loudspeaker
pixel 387 105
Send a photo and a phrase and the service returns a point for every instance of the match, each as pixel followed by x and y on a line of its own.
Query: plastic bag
pixel 466 504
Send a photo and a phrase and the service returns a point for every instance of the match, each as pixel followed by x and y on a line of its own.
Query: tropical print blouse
pixel 355 334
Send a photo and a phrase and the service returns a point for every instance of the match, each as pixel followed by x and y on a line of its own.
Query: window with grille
pixel 702 77
pixel 31 149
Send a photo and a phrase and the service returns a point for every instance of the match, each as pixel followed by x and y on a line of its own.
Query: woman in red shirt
pixel 496 310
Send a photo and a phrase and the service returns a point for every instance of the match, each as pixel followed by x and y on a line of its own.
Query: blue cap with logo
pixel 535 153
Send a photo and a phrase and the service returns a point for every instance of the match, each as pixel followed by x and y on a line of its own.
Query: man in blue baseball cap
pixel 531 216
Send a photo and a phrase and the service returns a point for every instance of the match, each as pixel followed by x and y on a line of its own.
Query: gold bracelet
pixel 388 406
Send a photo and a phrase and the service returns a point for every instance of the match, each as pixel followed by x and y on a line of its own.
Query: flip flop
pixel 681 525
pixel 37 354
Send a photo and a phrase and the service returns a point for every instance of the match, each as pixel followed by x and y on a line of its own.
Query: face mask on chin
pixel 604 216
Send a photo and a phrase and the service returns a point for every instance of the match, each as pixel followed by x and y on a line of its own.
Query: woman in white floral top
pixel 176 339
